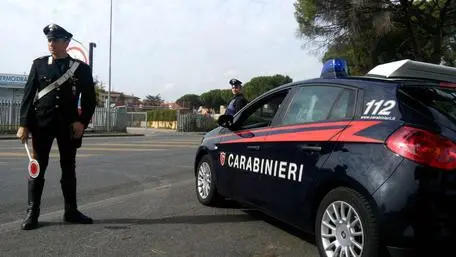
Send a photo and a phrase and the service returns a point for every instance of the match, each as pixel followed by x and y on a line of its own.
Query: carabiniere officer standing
pixel 49 111
pixel 238 101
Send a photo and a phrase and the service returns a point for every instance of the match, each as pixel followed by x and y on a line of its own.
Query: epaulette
pixel 82 63
pixel 79 61
pixel 42 57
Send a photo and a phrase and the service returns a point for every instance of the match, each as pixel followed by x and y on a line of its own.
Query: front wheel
pixel 346 225
pixel 205 183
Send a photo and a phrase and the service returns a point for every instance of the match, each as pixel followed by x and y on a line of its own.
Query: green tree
pixel 99 89
pixel 256 86
pixel 189 101
pixel 226 95
pixel 213 99
pixel 153 100
pixel 259 85
pixel 121 100
pixel 368 33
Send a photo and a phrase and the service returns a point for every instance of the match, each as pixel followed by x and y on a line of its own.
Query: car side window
pixel 344 107
pixel 261 113
pixel 320 103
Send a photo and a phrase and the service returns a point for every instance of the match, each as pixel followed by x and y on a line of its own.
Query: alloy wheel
pixel 204 180
pixel 342 231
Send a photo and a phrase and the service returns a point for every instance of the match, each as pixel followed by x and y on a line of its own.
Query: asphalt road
pixel 140 193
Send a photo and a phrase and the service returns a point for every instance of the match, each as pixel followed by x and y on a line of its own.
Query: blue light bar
pixel 335 68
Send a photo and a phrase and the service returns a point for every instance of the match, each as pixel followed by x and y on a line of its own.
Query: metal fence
pixel 137 119
pixel 118 119
pixel 10 115
pixel 193 122
pixel 187 121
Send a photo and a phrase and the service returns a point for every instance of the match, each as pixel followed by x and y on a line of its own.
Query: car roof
pixel 389 75
pixel 354 81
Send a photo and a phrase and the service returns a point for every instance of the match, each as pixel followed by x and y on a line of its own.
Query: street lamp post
pixel 92 45
pixel 108 108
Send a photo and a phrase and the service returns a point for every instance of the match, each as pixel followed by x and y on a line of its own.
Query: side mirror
pixel 225 120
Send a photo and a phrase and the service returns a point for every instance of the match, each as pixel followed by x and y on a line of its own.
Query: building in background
pixel 12 86
pixel 118 99
pixel 12 90
pixel 171 105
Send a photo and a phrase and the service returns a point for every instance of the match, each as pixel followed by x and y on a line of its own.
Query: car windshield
pixel 441 99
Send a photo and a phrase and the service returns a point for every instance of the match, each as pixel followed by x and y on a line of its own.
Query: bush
pixel 162 115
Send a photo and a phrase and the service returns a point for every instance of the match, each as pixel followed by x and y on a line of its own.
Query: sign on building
pixel 8 80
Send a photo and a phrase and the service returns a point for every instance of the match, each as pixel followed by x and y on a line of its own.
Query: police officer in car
pixel 238 101
pixel 49 111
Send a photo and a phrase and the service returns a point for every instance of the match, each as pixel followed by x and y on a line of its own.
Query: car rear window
pixel 441 99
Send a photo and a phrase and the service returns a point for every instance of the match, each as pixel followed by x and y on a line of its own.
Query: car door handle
pixel 253 147
pixel 311 148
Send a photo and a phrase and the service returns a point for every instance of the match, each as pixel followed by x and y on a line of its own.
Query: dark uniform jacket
pixel 236 104
pixel 60 106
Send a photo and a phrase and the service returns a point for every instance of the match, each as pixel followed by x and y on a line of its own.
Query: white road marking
pixel 157 251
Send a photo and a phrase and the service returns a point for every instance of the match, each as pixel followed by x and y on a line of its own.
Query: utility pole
pixel 108 108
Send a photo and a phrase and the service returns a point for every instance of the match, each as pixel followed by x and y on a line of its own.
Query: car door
pixel 299 143
pixel 241 146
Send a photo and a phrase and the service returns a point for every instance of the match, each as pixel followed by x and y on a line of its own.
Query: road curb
pixel 160 132
pixel 131 132
pixel 178 133
pixel 13 137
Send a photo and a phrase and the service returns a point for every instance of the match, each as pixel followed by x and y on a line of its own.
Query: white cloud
pixel 198 45
pixel 169 86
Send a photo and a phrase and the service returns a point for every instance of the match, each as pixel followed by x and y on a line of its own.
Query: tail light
pixel 423 147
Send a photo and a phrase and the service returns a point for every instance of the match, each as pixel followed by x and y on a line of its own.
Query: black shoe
pixel 74 216
pixel 35 189
pixel 31 220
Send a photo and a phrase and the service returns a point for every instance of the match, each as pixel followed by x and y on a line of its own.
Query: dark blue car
pixel 367 164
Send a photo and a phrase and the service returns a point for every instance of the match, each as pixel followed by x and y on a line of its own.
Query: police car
pixel 367 163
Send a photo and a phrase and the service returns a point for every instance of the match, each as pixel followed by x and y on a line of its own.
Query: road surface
pixel 140 193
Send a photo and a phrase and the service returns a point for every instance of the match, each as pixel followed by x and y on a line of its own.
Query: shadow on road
pixel 193 219
pixel 257 215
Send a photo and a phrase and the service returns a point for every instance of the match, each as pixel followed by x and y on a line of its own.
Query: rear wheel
pixel 346 226
pixel 205 183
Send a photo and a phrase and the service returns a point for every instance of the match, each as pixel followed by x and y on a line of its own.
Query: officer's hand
pixel 78 129
pixel 22 134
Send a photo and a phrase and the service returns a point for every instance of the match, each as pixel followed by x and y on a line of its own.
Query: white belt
pixel 68 74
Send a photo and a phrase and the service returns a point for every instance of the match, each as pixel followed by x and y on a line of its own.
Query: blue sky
pixel 170 47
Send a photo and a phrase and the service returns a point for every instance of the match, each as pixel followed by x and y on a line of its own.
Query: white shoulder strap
pixel 60 80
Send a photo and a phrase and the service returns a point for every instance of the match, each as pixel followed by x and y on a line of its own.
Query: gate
pixel 137 119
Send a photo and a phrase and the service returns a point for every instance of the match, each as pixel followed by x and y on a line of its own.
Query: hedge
pixel 162 115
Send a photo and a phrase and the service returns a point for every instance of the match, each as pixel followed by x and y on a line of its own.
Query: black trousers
pixel 42 140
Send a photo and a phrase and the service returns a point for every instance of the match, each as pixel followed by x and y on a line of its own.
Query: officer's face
pixel 57 46
pixel 235 89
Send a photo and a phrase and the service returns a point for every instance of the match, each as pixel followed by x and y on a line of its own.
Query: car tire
pixel 343 231
pixel 205 183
